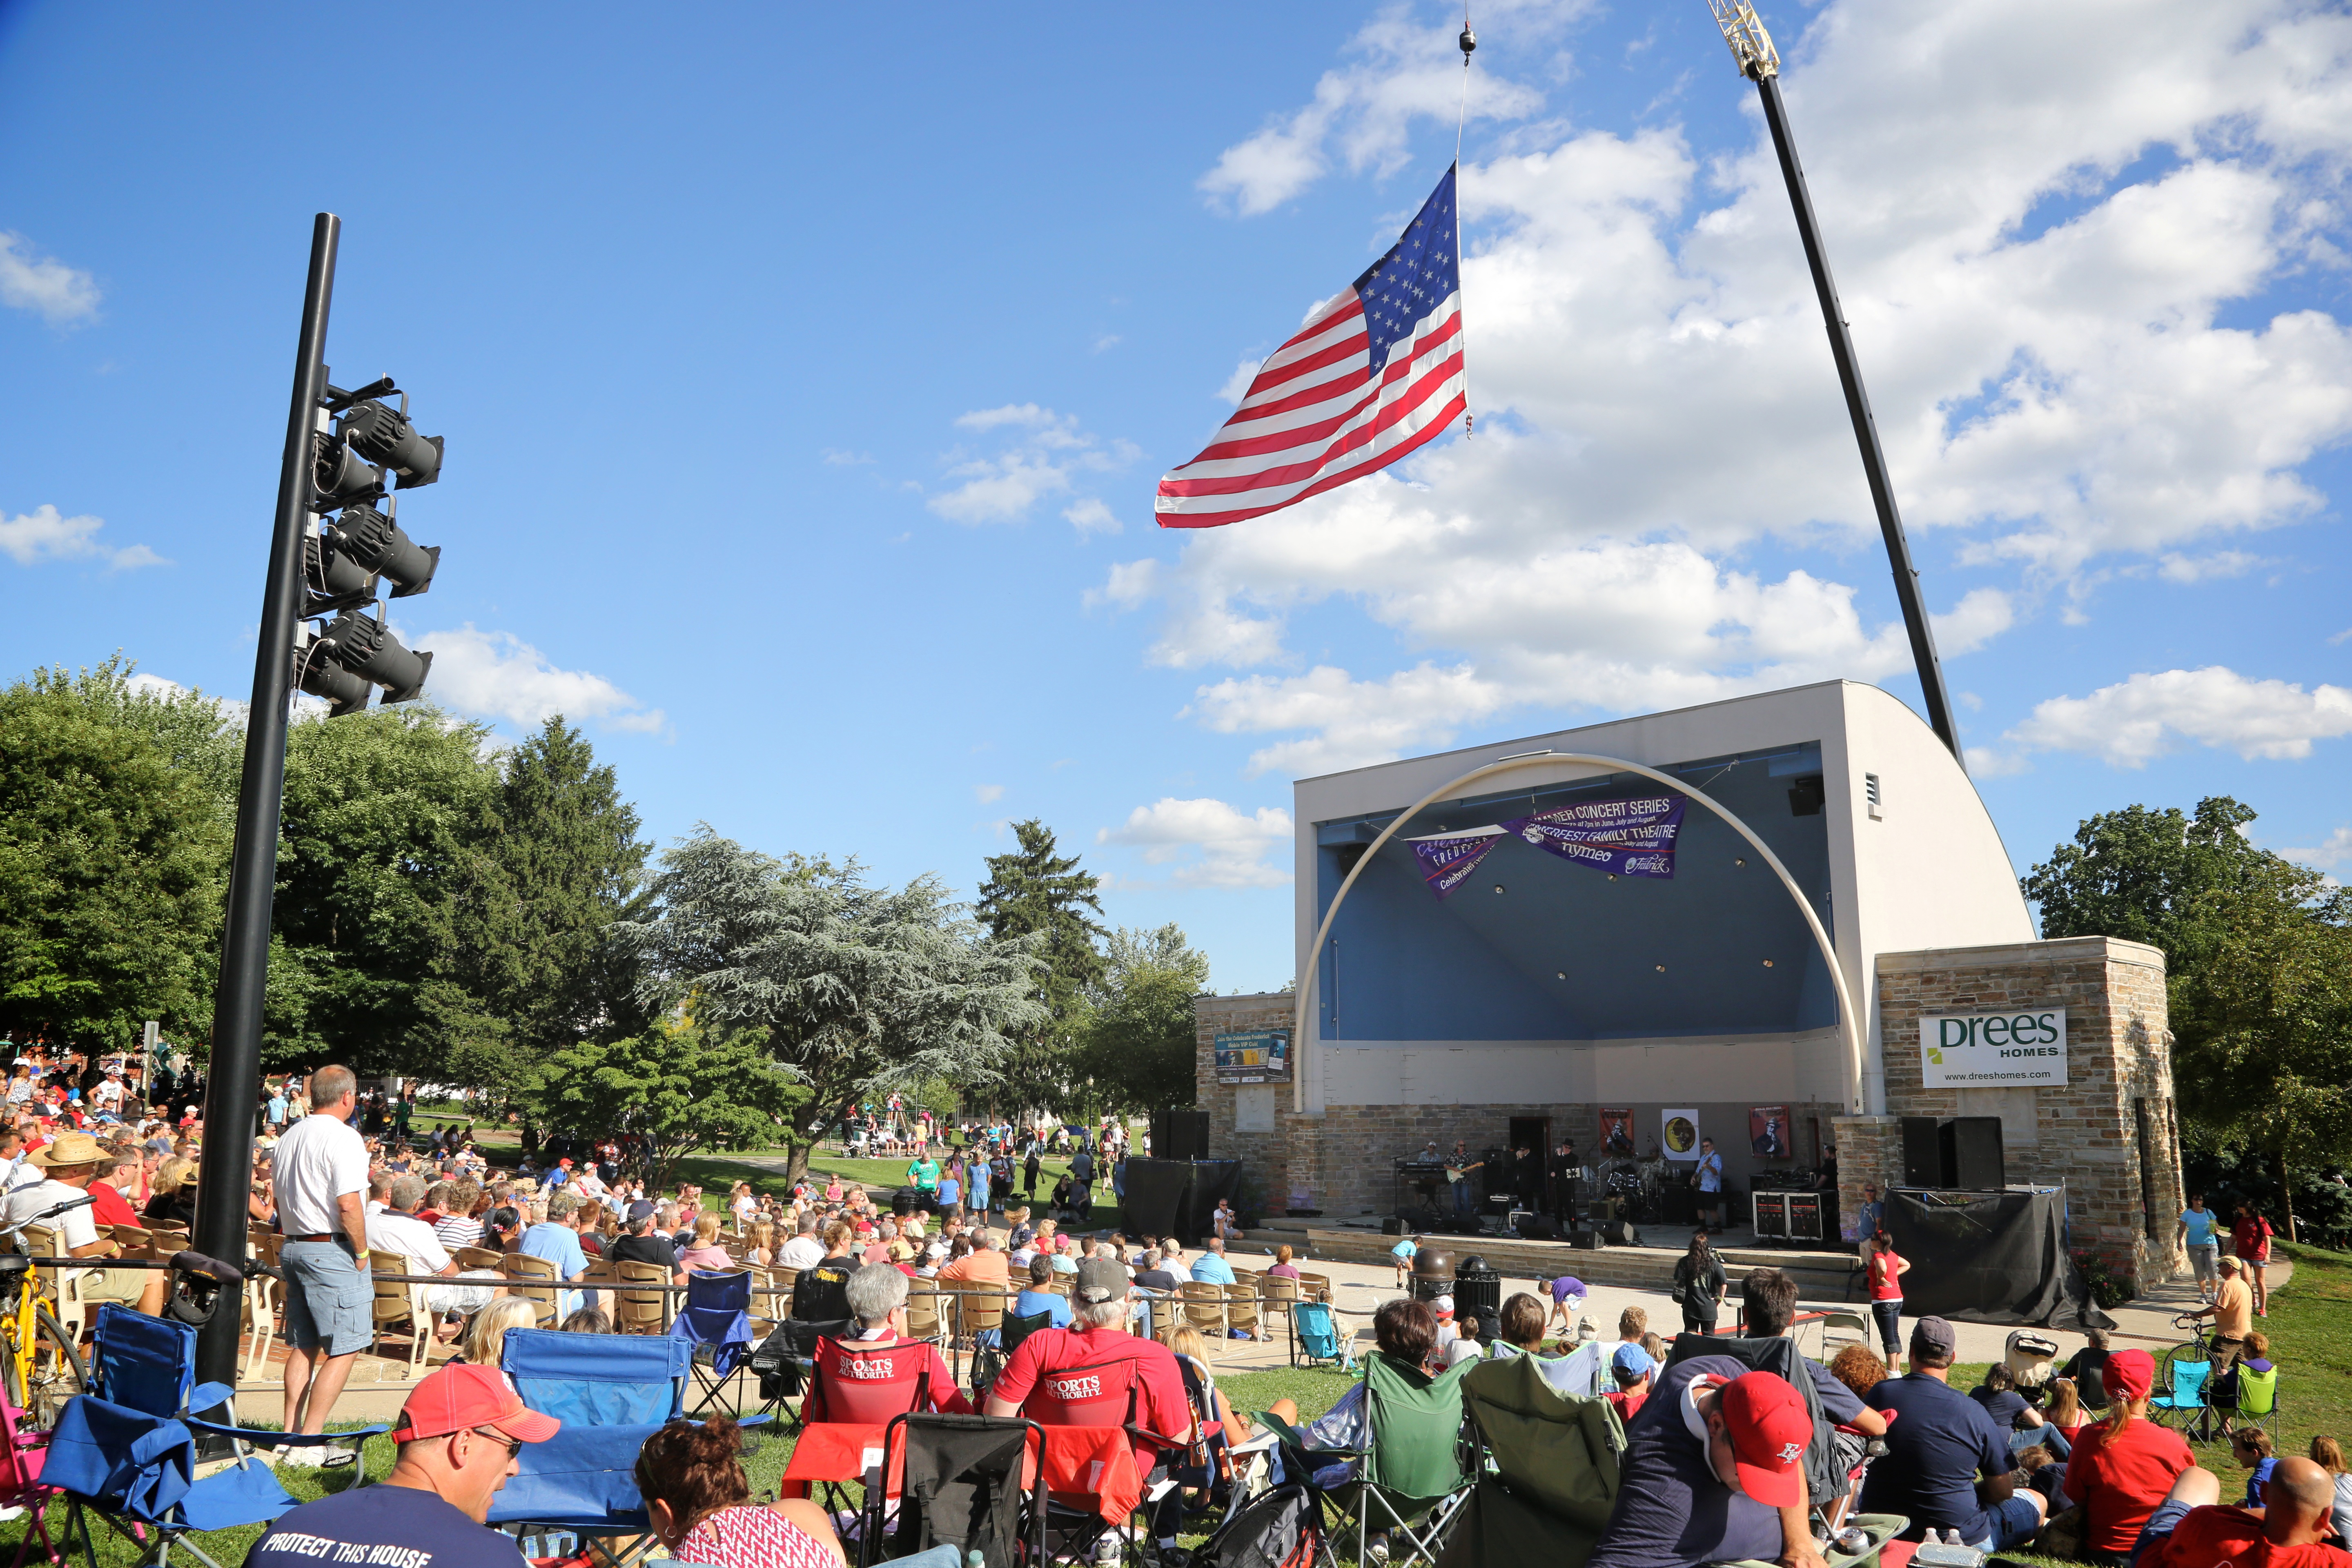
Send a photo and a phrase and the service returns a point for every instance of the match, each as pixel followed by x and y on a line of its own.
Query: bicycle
pixel 40 1366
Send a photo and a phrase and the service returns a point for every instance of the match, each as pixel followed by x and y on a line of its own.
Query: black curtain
pixel 1989 1257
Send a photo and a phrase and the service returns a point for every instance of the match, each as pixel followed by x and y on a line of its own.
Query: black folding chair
pixel 960 1485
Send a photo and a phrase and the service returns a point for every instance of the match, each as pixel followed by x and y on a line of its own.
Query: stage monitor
pixel 1179 1134
pixel 1923 1154
pixel 1972 1154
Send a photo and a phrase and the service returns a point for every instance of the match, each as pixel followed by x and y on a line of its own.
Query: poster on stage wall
pixel 1768 1131
pixel 1617 1133
pixel 1678 1134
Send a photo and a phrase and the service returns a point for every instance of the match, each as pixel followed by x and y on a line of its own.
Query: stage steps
pixel 1821 1276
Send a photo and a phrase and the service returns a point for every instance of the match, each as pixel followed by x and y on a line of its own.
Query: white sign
pixel 2023 1048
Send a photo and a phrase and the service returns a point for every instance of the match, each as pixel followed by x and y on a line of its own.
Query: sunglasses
pixel 513 1446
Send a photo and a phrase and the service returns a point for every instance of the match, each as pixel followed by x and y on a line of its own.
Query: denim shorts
pixel 329 1302
pixel 2015 1521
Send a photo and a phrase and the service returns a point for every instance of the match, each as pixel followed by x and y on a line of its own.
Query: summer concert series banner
pixel 1629 837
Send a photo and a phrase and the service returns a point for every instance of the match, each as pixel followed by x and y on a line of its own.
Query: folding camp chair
pixel 2184 1399
pixel 128 1453
pixel 1410 1478
pixel 1551 1469
pixel 962 1486
pixel 611 1392
pixel 1316 1337
pixel 21 1487
pixel 716 1321
pixel 855 1391
pixel 1097 1480
pixel 1019 1327
pixel 2253 1398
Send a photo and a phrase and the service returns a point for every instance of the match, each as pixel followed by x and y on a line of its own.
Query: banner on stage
pixel 1446 861
pixel 1624 837
pixel 1994 1050
pixel 1617 1133
pixel 1256 1056
pixel 1678 1133
pixel 1768 1131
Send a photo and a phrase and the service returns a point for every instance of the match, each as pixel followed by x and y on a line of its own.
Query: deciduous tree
pixel 682 1087
pixel 1138 1038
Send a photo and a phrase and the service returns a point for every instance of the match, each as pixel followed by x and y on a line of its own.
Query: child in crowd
pixel 1407 1249
pixel 2252 1449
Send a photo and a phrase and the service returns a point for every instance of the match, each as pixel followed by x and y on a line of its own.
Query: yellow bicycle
pixel 41 1368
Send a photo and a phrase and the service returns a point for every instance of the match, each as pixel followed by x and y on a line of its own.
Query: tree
pixel 531 904
pixel 1138 1040
pixel 1034 891
pixel 383 811
pixel 679 1085
pixel 857 989
pixel 2142 875
pixel 2262 1027
pixel 114 835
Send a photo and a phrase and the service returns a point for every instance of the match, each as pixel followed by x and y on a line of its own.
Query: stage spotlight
pixel 1768 963
pixel 1740 859
pixel 1560 974
pixel 380 547
pixel 368 649
pixel 316 672
pixel 384 436
pixel 341 476
pixel 1662 969
pixel 1498 887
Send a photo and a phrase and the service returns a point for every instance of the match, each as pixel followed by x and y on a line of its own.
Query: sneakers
pixel 304 1457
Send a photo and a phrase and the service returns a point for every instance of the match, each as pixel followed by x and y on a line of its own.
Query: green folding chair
pixel 1551 1471
pixel 1412 1472
pixel 2256 1403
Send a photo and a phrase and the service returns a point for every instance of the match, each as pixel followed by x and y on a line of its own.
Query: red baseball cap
pixel 1770 1429
pixel 463 1395
pixel 2128 1374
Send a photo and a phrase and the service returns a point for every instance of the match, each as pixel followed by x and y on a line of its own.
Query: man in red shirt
pixel 2189 1531
pixel 1098 1337
pixel 107 1204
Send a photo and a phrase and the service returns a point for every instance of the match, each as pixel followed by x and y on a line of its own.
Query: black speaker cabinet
pixel 1971 1151
pixel 1923 1154
pixel 1585 1240
pixel 1179 1134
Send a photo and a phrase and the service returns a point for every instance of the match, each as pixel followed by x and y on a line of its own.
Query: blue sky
pixel 805 376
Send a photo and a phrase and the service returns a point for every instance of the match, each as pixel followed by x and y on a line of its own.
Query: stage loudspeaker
pixel 1621 1233
pixel 1392 1226
pixel 1923 1154
pixel 1971 1150
pixel 1585 1240
pixel 1537 1227
pixel 1178 1134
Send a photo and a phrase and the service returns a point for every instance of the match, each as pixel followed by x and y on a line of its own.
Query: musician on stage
pixel 1457 1172
pixel 1560 1191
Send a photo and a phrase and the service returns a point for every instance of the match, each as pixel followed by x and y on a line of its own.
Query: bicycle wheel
pixel 57 1375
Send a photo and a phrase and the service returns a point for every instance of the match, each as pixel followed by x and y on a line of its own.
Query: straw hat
pixel 70 1148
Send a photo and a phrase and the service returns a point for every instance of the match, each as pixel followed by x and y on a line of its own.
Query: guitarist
pixel 1457 1172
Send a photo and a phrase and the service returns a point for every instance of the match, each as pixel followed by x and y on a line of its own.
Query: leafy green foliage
pixel 114 838
pixel 1036 891
pixel 2142 875
pixel 683 1087
pixel 1137 1037
pixel 857 989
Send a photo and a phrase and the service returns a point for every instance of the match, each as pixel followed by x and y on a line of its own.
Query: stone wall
pixel 2109 1136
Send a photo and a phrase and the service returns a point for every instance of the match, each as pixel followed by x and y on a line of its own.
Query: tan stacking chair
pixel 1315 1286
pixel 1204 1308
pixel 536 1281
pixel 479 1257
pixel 640 1312
pixel 263 1297
pixel 924 1311
pixel 399 1305
pixel 1275 1293
pixel 1240 1307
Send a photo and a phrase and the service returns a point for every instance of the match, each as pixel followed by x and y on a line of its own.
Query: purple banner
pixel 1444 862
pixel 1630 837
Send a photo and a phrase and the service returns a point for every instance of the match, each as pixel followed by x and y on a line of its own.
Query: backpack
pixel 1282 1527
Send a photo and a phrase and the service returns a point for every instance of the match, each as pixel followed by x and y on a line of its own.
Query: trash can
pixel 1432 1273
pixel 1478 1288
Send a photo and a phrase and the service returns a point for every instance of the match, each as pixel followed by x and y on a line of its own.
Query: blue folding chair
pixel 1316 1337
pixel 2184 1399
pixel 611 1392
pixel 127 1452
pixel 717 1321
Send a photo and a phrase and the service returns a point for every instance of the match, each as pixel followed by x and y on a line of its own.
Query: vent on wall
pixel 1870 789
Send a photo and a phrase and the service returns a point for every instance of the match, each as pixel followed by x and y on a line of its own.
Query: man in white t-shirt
pixel 395 1228
pixel 67 1166
pixel 108 1096
pixel 321 1179
pixel 803 1250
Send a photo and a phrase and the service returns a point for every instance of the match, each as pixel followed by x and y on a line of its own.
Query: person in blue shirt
pixel 1404 1251
pixel 557 1239
pixel 2197 1236
pixel 951 1191
pixel 977 1172
pixel 1038 1298
pixel 1210 1267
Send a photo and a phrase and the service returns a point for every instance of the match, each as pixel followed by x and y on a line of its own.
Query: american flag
pixel 1373 374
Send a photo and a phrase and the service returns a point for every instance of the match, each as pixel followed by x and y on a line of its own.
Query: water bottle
pixel 972 1559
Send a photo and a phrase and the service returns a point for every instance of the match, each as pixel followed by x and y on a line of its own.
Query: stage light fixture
pixel 368 649
pixel 1498 887
pixel 1768 963
pixel 1560 974
pixel 316 672
pixel 380 547
pixel 341 476
pixel 1740 859
pixel 1662 969
pixel 384 436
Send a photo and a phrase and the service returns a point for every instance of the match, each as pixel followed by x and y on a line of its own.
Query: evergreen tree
pixel 1036 891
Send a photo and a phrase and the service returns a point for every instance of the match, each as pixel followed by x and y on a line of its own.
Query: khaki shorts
pixel 113 1284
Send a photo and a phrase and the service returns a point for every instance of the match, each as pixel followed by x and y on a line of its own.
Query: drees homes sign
pixel 1994 1050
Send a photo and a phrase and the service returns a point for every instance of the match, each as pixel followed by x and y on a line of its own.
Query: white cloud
pixel 1237 385
pixel 1044 454
pixel 987 793
pixel 1363 111
pixel 1107 340
pixel 2066 372
pixel 497 674
pixel 1232 845
pixel 839 458
pixel 58 294
pixel 43 536
pixel 2135 721
pixel 1090 516
pixel 2337 850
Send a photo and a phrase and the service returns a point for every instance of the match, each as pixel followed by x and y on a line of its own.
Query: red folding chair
pixel 1087 1414
pixel 867 1384
pixel 21 1454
